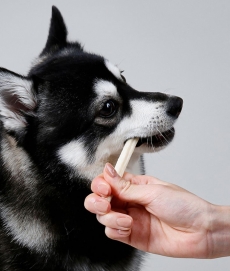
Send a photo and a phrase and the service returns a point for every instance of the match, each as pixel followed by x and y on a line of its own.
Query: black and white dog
pixel 58 127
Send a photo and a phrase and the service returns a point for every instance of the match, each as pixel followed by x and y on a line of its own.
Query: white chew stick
pixel 124 157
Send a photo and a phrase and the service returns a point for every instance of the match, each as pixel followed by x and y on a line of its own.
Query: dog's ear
pixel 57 37
pixel 17 100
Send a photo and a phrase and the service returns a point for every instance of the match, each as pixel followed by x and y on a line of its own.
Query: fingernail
pixel 101 207
pixel 110 170
pixel 124 222
pixel 103 189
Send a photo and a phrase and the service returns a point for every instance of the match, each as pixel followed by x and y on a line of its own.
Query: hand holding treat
pixel 159 217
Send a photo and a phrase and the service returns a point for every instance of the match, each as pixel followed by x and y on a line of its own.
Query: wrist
pixel 219 231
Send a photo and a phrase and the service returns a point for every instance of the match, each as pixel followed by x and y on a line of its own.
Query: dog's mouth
pixel 158 140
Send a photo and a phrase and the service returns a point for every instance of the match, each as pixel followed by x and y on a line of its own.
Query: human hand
pixel 155 216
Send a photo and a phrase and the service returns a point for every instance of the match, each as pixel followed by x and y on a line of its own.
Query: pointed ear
pixel 57 33
pixel 17 99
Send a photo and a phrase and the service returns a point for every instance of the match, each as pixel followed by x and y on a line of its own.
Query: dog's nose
pixel 174 106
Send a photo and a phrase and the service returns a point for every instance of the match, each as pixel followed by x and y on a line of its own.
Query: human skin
pixel 159 217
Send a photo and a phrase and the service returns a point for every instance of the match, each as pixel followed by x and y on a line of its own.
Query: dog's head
pixel 76 108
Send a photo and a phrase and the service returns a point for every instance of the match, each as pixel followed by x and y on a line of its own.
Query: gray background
pixel 180 47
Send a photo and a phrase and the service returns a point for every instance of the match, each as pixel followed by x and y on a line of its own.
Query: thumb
pixel 125 190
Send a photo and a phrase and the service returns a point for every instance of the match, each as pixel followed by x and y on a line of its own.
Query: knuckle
pixel 124 186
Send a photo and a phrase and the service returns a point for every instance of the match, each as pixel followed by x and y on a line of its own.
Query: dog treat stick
pixel 124 157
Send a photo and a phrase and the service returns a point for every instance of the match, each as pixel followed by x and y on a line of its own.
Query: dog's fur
pixel 59 125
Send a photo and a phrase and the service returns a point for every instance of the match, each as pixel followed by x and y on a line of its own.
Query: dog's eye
pixel 109 109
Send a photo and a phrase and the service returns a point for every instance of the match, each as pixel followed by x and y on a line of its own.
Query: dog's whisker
pixel 162 135
pixel 152 146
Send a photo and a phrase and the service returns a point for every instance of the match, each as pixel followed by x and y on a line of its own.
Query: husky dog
pixel 58 127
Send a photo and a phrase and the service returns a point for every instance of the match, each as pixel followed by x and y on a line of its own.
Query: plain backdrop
pixel 176 46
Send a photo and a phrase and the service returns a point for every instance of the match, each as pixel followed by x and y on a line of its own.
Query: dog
pixel 59 125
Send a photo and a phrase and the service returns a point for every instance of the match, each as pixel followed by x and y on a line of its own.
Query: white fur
pixel 18 163
pixel 113 69
pixel 23 90
pixel 74 154
pixel 26 229
pixel 105 88
pixel 147 119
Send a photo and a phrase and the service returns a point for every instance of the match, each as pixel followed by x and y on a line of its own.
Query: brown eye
pixel 109 109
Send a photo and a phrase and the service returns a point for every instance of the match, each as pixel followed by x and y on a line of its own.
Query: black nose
pixel 174 106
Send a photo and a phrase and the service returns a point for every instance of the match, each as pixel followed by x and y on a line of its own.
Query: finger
pixel 125 190
pixel 143 179
pixel 100 186
pixel 119 235
pixel 96 204
pixel 116 220
pixel 130 180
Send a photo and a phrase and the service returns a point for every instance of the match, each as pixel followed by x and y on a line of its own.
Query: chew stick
pixel 124 157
